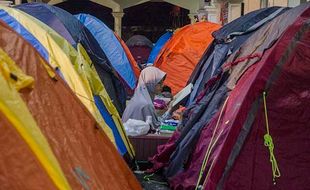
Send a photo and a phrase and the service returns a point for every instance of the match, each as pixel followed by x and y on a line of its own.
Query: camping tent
pixel 202 111
pixel 202 108
pixel 111 47
pixel 49 140
pixel 226 41
pixel 182 52
pixel 80 34
pixel 139 40
pixel 273 61
pixel 259 90
pixel 140 47
pixel 101 105
pixel 158 45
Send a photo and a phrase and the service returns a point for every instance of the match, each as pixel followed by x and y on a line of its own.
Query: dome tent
pixel 57 131
pixel 140 48
pixel 182 52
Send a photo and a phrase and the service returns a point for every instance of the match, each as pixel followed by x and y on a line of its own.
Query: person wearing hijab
pixel 141 106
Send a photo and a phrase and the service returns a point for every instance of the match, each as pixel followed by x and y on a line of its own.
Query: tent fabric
pixel 85 154
pixel 227 40
pixel 80 34
pixel 49 18
pixel 183 51
pixel 17 113
pixel 158 46
pixel 285 145
pixel 139 40
pixel 132 60
pixel 111 47
pixel 19 157
pixel 205 111
pixel 59 59
pixel 4 16
pixel 141 54
pixel 284 62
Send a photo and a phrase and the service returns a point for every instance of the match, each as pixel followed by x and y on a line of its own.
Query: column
pixel 18 2
pixel 192 17
pixel 118 22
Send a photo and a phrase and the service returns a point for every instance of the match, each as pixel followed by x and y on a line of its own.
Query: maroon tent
pixel 140 48
pixel 237 149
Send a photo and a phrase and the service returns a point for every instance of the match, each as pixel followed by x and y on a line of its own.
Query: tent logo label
pixel 82 177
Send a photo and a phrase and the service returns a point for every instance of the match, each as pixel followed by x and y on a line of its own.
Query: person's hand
pixel 178 114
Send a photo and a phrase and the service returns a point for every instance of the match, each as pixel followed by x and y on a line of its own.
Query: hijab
pixel 141 104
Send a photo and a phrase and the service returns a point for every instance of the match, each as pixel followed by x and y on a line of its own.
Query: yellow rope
pixel 208 174
pixel 210 147
pixel 269 143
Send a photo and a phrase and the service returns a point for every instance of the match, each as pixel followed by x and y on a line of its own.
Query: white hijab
pixel 141 104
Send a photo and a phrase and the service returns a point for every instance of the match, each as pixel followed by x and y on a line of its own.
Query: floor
pixel 154 182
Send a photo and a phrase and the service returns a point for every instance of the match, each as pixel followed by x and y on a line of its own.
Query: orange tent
pixel 182 52
pixel 132 60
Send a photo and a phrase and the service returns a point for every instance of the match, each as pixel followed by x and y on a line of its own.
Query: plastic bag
pixel 136 127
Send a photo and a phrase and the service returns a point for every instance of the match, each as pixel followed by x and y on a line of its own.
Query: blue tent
pixel 158 46
pixel 111 47
pixel 80 34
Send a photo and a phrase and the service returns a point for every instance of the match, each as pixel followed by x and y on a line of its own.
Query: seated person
pixel 141 104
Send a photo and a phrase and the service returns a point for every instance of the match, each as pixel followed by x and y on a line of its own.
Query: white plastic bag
pixel 136 127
